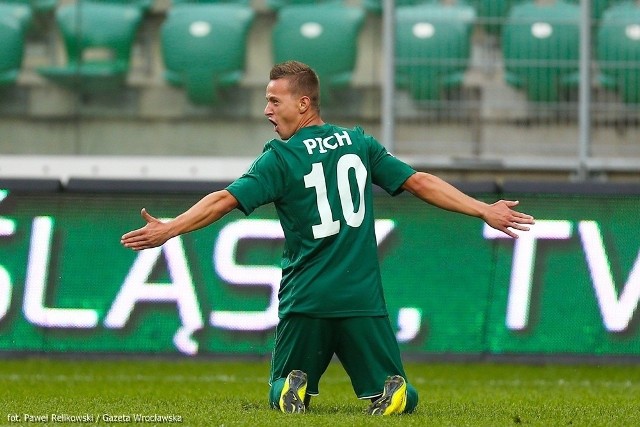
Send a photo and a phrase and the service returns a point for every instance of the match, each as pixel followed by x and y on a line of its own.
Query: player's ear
pixel 303 104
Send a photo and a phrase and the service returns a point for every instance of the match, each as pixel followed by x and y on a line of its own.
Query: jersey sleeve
pixel 263 183
pixel 387 171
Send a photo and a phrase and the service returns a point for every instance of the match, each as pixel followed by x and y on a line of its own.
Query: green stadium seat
pixel 375 6
pixel 98 38
pixel 598 7
pixel 618 51
pixel 433 47
pixel 144 5
pixel 325 36
pixel 12 52
pixel 540 45
pixel 36 6
pixel 493 13
pixel 276 5
pixel 204 48
pixel 20 12
pixel 242 2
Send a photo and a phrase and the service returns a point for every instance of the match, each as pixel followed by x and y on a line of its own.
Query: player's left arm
pixel 499 215
pixel 206 211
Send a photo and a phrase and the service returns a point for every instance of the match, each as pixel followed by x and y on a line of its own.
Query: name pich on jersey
pixel 324 144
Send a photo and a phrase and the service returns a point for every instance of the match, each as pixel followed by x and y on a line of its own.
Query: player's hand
pixel 153 234
pixel 503 217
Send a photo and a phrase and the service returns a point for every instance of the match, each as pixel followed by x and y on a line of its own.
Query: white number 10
pixel 316 179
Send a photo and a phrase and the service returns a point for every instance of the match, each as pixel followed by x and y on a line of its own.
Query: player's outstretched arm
pixel 207 210
pixel 499 215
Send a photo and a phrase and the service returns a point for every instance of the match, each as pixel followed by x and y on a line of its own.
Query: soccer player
pixel 319 177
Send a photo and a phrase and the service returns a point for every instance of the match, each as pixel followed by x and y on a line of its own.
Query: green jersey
pixel 320 181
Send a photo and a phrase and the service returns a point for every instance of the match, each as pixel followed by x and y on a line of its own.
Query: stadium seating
pixel 20 12
pixel 493 13
pixel 12 52
pixel 36 6
pixel 375 6
pixel 618 51
pixel 433 44
pixel 144 5
pixel 242 2
pixel 598 7
pixel 276 5
pixel 204 48
pixel 325 36
pixel 540 44
pixel 98 39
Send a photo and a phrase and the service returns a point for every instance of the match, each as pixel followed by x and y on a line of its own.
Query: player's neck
pixel 313 119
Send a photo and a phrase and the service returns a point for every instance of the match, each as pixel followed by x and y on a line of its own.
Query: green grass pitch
pixel 206 392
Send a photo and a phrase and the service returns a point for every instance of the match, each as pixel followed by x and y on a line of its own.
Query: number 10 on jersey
pixel 316 179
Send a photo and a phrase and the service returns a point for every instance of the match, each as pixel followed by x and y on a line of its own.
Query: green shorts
pixel 366 347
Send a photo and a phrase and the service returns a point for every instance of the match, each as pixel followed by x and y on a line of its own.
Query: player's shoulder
pixel 356 133
pixel 274 148
pixel 272 144
pixel 359 133
pixel 357 130
pixel 270 154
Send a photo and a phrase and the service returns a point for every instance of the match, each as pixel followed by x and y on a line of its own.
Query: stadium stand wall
pixel 488 128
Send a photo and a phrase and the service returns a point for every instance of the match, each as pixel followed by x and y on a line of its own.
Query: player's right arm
pixel 206 211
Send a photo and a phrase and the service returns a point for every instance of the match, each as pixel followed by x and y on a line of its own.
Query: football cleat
pixel 293 392
pixel 393 399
